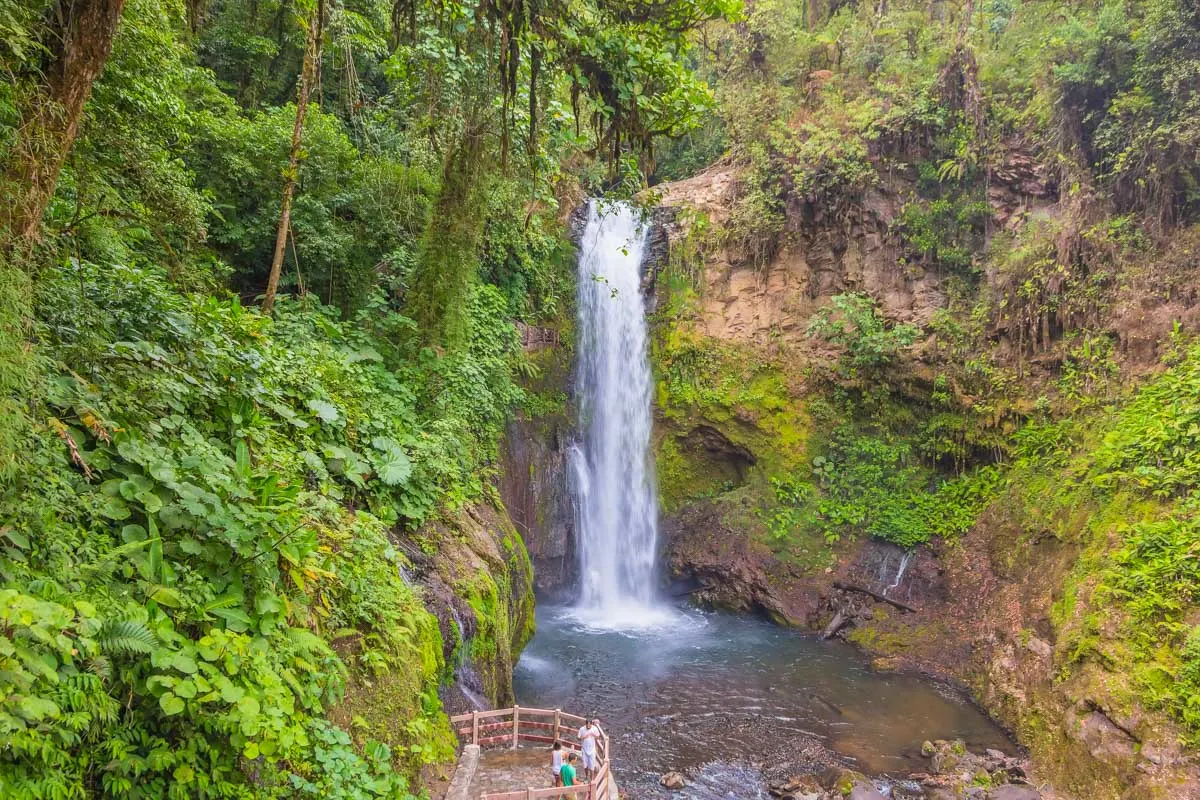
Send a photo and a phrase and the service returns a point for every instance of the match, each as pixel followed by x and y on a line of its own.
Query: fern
pixel 224 601
pixel 306 641
pixel 127 636
pixel 101 667
pixel 105 565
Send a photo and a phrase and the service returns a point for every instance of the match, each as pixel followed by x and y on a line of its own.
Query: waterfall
pixel 908 554
pixel 612 468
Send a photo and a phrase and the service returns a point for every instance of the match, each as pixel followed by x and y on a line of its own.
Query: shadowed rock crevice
pixel 724 461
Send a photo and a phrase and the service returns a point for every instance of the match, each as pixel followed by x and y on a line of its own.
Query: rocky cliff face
pixel 858 247
pixel 980 611
pixel 479 584
pixel 535 489
pixel 534 479
pixel 817 256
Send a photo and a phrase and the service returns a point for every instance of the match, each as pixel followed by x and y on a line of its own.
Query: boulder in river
pixel 864 790
pixel 797 787
pixel 673 780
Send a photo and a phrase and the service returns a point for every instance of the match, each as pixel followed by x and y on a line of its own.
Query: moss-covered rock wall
pixel 474 579
pixel 809 408
pixel 534 478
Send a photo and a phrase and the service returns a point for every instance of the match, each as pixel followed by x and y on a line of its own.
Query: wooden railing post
pixel 529 793
pixel 557 722
pixel 516 724
pixel 475 727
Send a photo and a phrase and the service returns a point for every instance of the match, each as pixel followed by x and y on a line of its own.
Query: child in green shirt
pixel 568 770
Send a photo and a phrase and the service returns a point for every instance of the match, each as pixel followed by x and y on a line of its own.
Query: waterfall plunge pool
pixel 725 698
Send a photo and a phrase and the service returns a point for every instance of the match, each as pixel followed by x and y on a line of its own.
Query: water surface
pixel 725 697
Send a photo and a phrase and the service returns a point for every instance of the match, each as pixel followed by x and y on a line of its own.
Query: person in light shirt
pixel 556 763
pixel 589 734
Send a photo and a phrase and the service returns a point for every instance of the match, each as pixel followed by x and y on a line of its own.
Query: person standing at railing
pixel 589 734
pixel 556 762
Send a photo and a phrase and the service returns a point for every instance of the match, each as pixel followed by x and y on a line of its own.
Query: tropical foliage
pixel 209 512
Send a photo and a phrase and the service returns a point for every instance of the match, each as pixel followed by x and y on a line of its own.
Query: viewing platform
pixel 506 756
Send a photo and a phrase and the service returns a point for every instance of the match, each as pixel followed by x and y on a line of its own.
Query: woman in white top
pixel 556 759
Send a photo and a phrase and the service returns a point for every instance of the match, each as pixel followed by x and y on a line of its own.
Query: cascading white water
pixel 613 472
pixel 904 559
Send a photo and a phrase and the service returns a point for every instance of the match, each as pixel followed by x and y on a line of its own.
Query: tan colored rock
pixel 673 781
pixel 865 791
pixel 1039 647
pixel 1104 740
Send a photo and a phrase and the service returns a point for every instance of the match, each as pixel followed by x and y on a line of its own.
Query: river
pixel 725 698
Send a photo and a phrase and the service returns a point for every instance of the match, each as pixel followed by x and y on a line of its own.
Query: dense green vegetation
pixel 211 508
pixel 211 512
pixel 1134 474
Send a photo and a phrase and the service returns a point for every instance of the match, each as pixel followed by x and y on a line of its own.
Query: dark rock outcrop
pixel 535 487
pixel 730 571
pixel 656 254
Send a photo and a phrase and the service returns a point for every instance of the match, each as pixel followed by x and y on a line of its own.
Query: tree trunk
pixel 78 40
pixel 308 78
pixel 449 257
pixel 849 587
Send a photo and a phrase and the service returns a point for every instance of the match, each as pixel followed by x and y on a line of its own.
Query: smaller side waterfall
pixel 904 559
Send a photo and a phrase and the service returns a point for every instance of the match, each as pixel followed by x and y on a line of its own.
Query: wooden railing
pixel 508 727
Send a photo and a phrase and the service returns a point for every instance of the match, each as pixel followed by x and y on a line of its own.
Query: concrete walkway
pixel 512 770
pixel 464 774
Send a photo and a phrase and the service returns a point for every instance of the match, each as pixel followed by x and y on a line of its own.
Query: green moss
pixel 881 642
pixel 398 705
pixel 686 474
pixel 500 596
pixel 741 392
pixel 887 636
pixel 520 568
pixel 746 397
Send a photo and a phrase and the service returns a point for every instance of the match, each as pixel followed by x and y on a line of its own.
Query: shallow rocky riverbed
pixel 737 705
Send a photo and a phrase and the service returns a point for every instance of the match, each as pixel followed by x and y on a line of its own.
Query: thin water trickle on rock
pixel 723 697
pixel 466 679
pixel 904 560
pixel 613 474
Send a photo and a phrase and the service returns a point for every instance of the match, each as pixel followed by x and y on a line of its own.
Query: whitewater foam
pixel 612 468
